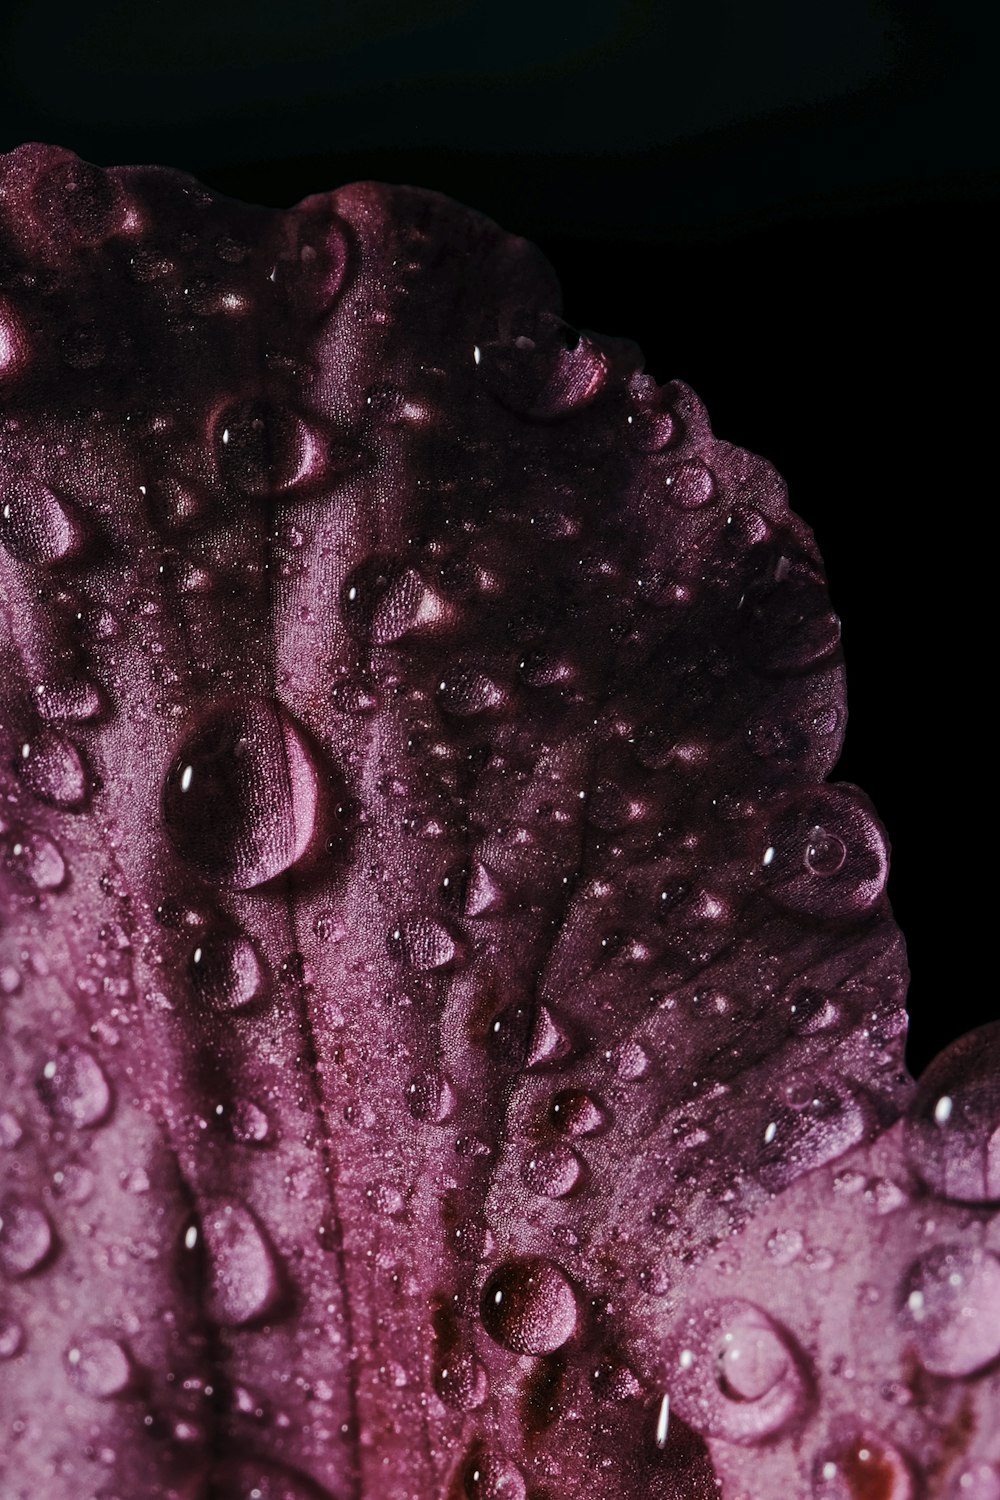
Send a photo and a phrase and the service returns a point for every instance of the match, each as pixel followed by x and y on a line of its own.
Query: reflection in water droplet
pixel 865 1466
pixel 240 798
pixel 226 973
pixel 51 767
pixel 74 1089
pixel 25 1235
pixel 529 1306
pixel 552 1171
pixel 735 1373
pixel 243 1281
pixel 35 525
pixel 824 854
pixel 461 1381
pixel 950 1307
pixel 490 1477
pixel 577 1113
pixel 100 1367
pixel 689 485
pixel 33 859
pixel 953 1125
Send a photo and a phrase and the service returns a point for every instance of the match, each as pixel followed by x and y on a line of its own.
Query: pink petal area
pixel 451 1035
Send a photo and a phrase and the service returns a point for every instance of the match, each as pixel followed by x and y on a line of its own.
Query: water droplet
pixel 953 1125
pixel 950 1307
pixel 240 798
pixel 430 1097
pixel 226 973
pixel 51 768
pixel 244 1283
pixel 77 701
pixel 73 1087
pixel 529 1306
pixel 552 1171
pixel 548 376
pixel 577 1113
pixel 977 1481
pixel 249 1124
pixel 461 1382
pixel 862 1467
pixel 798 1138
pixel 382 601
pixel 735 1373
pixel 423 944
pixel 35 525
pixel 824 854
pixel 11 1335
pixel 653 426
pixel 689 485
pixel 26 1238
pixel 549 1044
pixel 789 623
pixel 785 1246
pixel 99 1366
pixel 11 1130
pixel 484 894
pixel 261 447
pixel 465 692
pixel 490 1477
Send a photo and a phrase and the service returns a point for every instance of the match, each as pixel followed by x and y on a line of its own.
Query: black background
pixel 788 204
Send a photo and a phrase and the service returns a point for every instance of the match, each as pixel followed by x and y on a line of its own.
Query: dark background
pixel 788 203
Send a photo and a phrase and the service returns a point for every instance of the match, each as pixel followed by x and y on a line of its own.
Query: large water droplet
pixel 489 1477
pixel 74 1089
pixel 423 943
pixel 734 1373
pixel 240 798
pixel 577 1113
pixel 824 854
pixel 382 600
pixel 953 1126
pixel 244 1283
pixel 430 1097
pixel 461 1381
pixel 529 1306
pixel 950 1307
pixel 552 1171
pixel 99 1366
pixel 25 1235
pixel 689 485
pixel 226 973
pixel 865 1466
pixel 261 447
pixel 35 525
pixel 51 767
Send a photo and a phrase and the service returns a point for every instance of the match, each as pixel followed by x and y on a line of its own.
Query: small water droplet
pixel 529 1306
pixel 430 1097
pixel 976 1481
pixel 35 525
pixel 950 1307
pixel 575 1112
pixel 77 701
pixel 99 1366
pixel 953 1125
pixel 226 973
pixel 552 1171
pixel 735 1373
pixel 11 1336
pixel 26 1238
pixel 244 1283
pixel 423 943
pixel 689 485
pixel 74 1089
pixel 490 1477
pixel 829 858
pixel 249 1124
pixel 240 798
pixel 52 769
pixel 824 853
pixel 549 1045
pixel 382 601
pixel 461 1381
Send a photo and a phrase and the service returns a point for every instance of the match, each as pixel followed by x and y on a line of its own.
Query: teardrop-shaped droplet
pixel 552 1171
pixel 25 1235
pixel 953 1125
pixel 430 1097
pixel 424 944
pixel 529 1306
pixel 461 1381
pixel 734 1373
pixel 76 701
pixel 575 1112
pixel 550 1044
pixel 244 1282
pixel 864 1466
pixel 383 601
pixel 950 1308
pixel 52 769
pixel 226 974
pixel 33 859
pixel 35 525
pixel 74 1089
pixel 100 1366
pixel 240 797
pixel 484 894
pixel 261 447
pixel 488 1476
